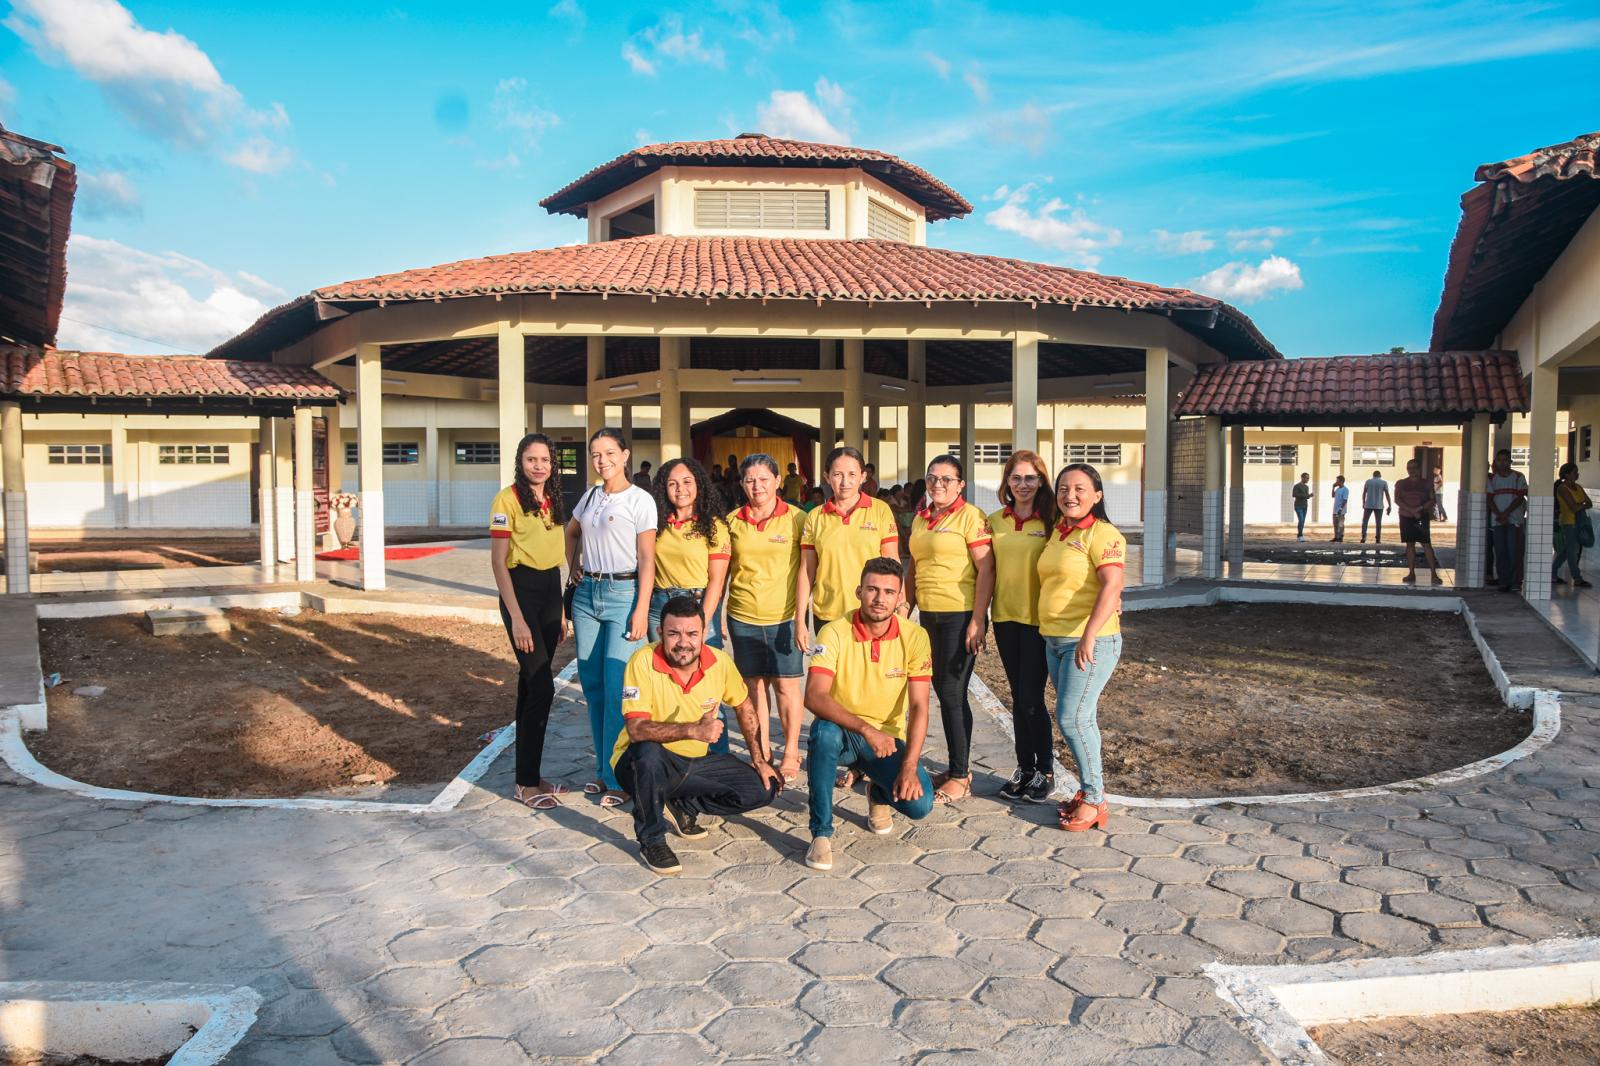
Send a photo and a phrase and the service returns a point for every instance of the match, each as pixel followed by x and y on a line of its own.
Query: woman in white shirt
pixel 611 559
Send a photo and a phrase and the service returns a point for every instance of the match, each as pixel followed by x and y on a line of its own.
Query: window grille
pixel 192 454
pixel 395 453
pixel 802 209
pixel 886 224
pixel 1274 454
pixel 477 453
pixel 78 454
pixel 1095 454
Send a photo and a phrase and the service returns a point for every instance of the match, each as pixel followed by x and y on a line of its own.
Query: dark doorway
pixel 568 459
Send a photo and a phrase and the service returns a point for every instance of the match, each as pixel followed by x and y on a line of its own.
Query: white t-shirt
pixel 1341 499
pixel 1372 493
pixel 611 525
pixel 1508 491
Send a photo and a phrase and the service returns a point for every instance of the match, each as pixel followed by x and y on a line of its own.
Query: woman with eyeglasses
pixel 1080 595
pixel 950 578
pixel 1021 529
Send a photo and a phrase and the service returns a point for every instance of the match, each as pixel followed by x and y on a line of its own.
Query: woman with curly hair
pixel 692 549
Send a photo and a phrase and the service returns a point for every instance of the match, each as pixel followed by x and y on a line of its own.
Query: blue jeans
pixel 658 600
pixel 1570 550
pixel 600 613
pixel 1300 519
pixel 831 748
pixel 1078 703
pixel 1507 540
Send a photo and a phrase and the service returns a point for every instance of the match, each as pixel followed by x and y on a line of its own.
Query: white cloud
pixel 1246 284
pixel 8 96
pixel 667 39
pixel 636 60
pixel 513 112
pixel 1053 224
pixel 107 194
pixel 976 82
pixel 163 83
pixel 1258 239
pixel 571 12
pixel 789 113
pixel 940 65
pixel 260 155
pixel 1028 126
pixel 1185 243
pixel 178 303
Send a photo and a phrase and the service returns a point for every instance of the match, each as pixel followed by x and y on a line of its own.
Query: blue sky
pixel 1302 159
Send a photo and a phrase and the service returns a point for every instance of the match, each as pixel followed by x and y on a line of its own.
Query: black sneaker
pixel 1014 789
pixel 689 827
pixel 1040 788
pixel 660 858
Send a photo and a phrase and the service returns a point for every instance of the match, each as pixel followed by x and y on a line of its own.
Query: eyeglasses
pixel 1024 479
pixel 943 480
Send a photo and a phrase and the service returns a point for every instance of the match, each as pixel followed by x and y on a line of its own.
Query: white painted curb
pixel 87 1019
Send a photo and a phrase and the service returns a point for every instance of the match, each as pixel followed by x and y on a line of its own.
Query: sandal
pixel 1087 816
pixel 539 801
pixel 950 799
pixel 593 788
pixel 789 772
pixel 847 779
pixel 1067 808
pixel 614 799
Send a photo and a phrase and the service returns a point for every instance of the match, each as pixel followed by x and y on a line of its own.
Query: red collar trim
pixel 1020 522
pixel 675 522
pixel 658 662
pixel 861 501
pixel 928 515
pixel 761 526
pixel 862 633
pixel 1066 525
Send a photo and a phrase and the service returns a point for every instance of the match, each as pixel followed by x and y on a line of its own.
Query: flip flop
pixel 539 801
pixel 945 798
pixel 593 788
pixel 614 799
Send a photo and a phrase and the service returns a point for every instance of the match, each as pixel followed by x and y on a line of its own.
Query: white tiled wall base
pixel 18 578
pixel 370 515
pixel 466 503
pixel 1471 539
pixel 267 528
pixel 1211 543
pixel 406 502
pixel 1536 558
pixel 1236 526
pixel 284 511
pixel 73 504
pixel 187 505
pixel 1154 556
pixel 305 525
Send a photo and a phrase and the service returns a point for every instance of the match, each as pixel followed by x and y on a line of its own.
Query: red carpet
pixel 390 554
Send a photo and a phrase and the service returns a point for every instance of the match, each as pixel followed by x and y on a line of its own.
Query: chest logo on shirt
pixel 778 539
pixel 709 703
pixel 894 673
pixel 869 525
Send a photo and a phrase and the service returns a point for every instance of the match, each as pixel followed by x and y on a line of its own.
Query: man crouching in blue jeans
pixel 868 686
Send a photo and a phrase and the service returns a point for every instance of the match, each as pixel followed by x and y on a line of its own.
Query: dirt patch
pixel 23 1057
pixel 1256 699
pixel 277 707
pixel 1565 1037
pixel 176 553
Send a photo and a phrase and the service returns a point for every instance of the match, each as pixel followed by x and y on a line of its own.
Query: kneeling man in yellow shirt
pixel 671 692
pixel 868 686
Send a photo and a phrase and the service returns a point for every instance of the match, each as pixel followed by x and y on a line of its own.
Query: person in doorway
pixel 1508 508
pixel 1439 514
pixel 1341 507
pixel 868 688
pixel 526 546
pixel 1572 513
pixel 642 478
pixel 794 486
pixel 665 755
pixel 950 579
pixel 611 562
pixel 1413 495
pixel 869 481
pixel 1302 502
pixel 1375 503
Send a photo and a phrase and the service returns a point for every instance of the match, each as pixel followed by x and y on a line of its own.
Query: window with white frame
pixel 1371 455
pixel 1585 443
pixel 1519 457
pixel 887 224
pixel 192 454
pixel 1271 454
pixel 761 208
pixel 983 453
pixel 78 454
pixel 1095 454
pixel 477 453
pixel 395 453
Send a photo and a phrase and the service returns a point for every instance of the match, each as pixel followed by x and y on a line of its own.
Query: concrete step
pixel 184 621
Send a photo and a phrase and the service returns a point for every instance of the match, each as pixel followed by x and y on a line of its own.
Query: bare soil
pixel 280 706
pixel 1258 699
pixel 24 1057
pixel 1565 1037
pixel 92 554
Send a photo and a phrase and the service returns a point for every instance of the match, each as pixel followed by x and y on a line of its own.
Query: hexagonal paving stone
pixel 761 942
pixel 1007 958
pixel 831 892
pixel 676 1009
pixel 1512 872
pixel 1200 901
pixel 1300 868
pixel 1047 901
pixel 1116 884
pixel 932 978
pixel 850 926
pixel 941 838
pixel 843 960
pixel 691 963
pixel 1433 909
pixel 896 877
pixel 1312 949
pixel 952 1023
pixel 748 1032
pixel 1028 999
pixel 1339 897
pixel 947 863
pixel 1236 936
pixel 1136 1021
pixel 434 945
pixel 1221 856
pixel 389 1036
pixel 760 984
pixel 419 987
pixel 474 881
pixel 1170 952
pixel 619 878
pixel 1251 884
pixel 507 964
pixel 1424 864
pixel 595 945
pixel 917 938
pixel 1143 844
pixel 1385 932
pixel 683 925
pixel 1291 917
pixel 535 892
pixel 916 906
pixel 967 888
pixel 651 1049
pixel 856 1043
pixel 1021 872
pixel 994 920
pixel 849 1002
pixel 1220 1044
pixel 1094 977
pixel 1564 900
pixel 472 1051
pixel 1141 916
pixel 1079 936
pixel 1170 871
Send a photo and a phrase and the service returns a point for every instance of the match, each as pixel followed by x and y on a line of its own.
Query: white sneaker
pixel 819 856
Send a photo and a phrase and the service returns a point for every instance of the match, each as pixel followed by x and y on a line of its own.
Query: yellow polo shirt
pixel 1017 546
pixel 766 560
pixel 941 546
pixel 651 690
pixel 793 486
pixel 683 556
pixel 871 677
pixel 1069 576
pixel 842 544
pixel 535 541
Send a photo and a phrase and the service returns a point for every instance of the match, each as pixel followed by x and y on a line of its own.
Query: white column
pixel 1347 454
pixel 595 418
pixel 1472 512
pixel 1321 483
pixel 512 406
pixel 1024 391
pixel 1211 504
pixel 1235 501
pixel 121 481
pixel 305 503
pixel 283 482
pixel 334 418
pixel 874 450
pixel 673 443
pixel 433 490
pixel 534 394
pixel 969 434
pixel 854 367
pixel 1541 473
pixel 1058 438
pixel 915 445
pixel 369 459
pixel 267 494
pixel 1156 414
pixel 19 577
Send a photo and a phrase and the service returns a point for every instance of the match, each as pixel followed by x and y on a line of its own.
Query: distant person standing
pixel 1572 514
pixel 1413 494
pixel 1302 502
pixel 642 478
pixel 1439 514
pixel 1341 507
pixel 794 486
pixel 869 485
pixel 1508 507
pixel 1375 503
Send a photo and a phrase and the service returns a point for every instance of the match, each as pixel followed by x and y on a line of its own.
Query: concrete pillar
pixel 874 450
pixel 1058 438
pixel 969 435
pixel 1211 504
pixel 1541 473
pixel 1025 391
pixel 369 458
pixel 512 403
pixel 915 445
pixel 121 474
pixel 595 418
pixel 334 418
pixel 1156 416
pixel 19 577
pixel 1502 437
pixel 854 367
pixel 433 488
pixel 1235 501
pixel 266 493
pixel 827 428
pixel 283 481
pixel 673 443
pixel 1347 454
pixel 1321 483
pixel 534 395
pixel 828 355
pixel 305 502
pixel 1472 511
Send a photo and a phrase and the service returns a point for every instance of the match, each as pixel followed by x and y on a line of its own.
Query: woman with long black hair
pixel 525 550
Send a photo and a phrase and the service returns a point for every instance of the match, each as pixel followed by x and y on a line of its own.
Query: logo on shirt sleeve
pixel 817 649
pixel 500 521
pixel 1111 552
pixel 630 693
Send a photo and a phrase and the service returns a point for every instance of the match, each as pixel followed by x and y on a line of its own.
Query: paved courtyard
pixel 491 934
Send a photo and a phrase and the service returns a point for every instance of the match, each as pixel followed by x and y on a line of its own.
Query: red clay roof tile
pixel 29 371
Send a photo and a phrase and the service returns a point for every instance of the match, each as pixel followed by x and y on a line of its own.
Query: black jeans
pixel 539 597
pixel 1369 514
pixel 711 784
pixel 1021 651
pixel 952 670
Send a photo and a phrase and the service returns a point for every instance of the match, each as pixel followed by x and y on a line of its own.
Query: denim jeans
pixel 1570 549
pixel 600 613
pixel 831 748
pixel 1078 703
pixel 1300 519
pixel 658 600
pixel 1507 539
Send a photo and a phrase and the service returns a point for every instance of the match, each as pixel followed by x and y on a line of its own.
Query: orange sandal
pixel 1067 808
pixel 1087 816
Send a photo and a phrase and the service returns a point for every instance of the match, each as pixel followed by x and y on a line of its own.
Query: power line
pixel 124 333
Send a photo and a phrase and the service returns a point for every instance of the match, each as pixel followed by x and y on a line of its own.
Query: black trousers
pixel 711 784
pixel 539 597
pixel 1022 654
pixel 952 670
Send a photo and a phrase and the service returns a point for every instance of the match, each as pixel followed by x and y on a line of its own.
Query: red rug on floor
pixel 390 554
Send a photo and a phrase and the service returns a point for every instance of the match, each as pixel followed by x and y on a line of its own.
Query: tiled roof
pixel 1513 227
pixel 1359 387
pixel 759 268
pixel 757 149
pixel 37 187
pixel 28 371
